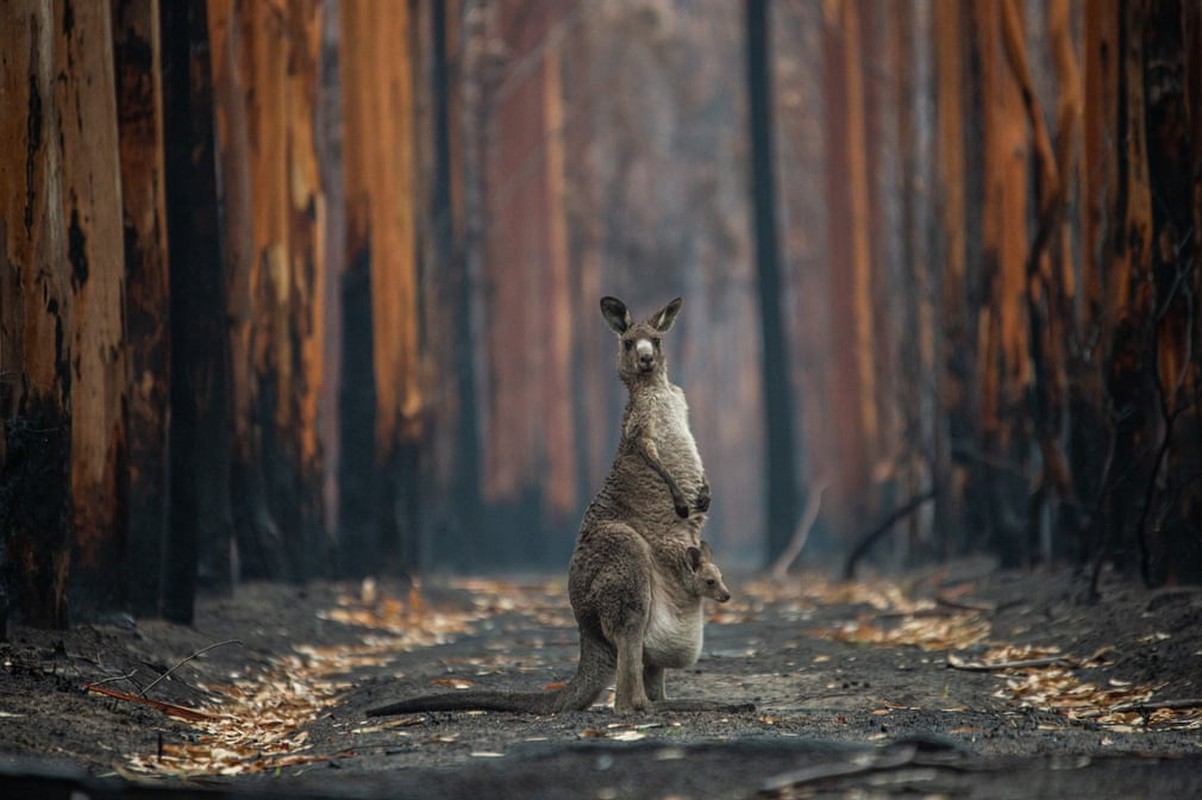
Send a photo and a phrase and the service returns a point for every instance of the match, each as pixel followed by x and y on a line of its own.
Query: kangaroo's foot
pixel 633 706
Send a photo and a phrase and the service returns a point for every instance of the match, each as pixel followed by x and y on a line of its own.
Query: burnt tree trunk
pixel 260 543
pixel 147 326
pixel 279 62
pixel 380 294
pixel 201 518
pixel 779 406
pixel 35 384
pixel 85 98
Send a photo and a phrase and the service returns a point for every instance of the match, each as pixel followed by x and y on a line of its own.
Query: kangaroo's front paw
pixel 703 498
pixel 682 508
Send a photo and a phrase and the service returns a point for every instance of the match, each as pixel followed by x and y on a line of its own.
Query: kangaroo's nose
pixel 646 354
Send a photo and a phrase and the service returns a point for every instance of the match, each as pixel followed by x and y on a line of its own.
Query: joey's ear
pixel 694 558
pixel 662 320
pixel 706 553
pixel 616 314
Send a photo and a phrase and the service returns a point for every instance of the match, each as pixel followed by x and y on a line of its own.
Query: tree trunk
pixel 260 543
pixel 1004 359
pixel 35 512
pixel 954 375
pixel 450 463
pixel 379 172
pixel 147 326
pixel 328 143
pixel 1166 536
pixel 780 463
pixel 85 98
pixel 201 517
pixel 307 269
pixel 853 381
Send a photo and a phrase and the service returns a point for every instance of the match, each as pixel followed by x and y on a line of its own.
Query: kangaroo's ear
pixel 706 553
pixel 662 320
pixel 694 558
pixel 616 314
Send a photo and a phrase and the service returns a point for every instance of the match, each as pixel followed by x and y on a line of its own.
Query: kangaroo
pixel 656 441
pixel 668 591
pixel 637 611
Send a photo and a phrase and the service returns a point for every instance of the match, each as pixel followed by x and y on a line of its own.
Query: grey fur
pixel 655 596
pixel 657 477
pixel 639 570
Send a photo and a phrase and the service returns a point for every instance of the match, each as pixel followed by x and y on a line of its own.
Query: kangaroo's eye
pixel 710 581
pixel 655 341
pixel 629 343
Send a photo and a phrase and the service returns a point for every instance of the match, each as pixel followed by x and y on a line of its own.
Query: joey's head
pixel 641 355
pixel 704 573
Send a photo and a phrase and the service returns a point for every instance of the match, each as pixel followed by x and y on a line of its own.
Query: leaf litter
pixel 1034 677
pixel 258 722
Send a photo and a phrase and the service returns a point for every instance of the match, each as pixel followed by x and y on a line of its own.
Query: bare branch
pixel 188 658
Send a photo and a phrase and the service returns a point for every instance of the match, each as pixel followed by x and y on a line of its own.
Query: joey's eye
pixel 629 343
pixel 710 581
pixel 655 341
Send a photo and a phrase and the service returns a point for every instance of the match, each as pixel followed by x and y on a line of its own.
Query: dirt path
pixel 852 685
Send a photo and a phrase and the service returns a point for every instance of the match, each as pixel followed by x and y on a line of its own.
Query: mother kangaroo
pixel 652 504
pixel 639 568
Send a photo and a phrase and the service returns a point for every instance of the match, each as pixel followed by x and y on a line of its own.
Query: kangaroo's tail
pixel 593 674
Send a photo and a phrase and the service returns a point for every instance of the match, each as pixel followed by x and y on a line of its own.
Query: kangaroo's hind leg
pixel 609 582
pixel 653 682
pixel 624 620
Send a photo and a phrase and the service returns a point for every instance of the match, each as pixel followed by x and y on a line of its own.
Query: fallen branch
pixel 186 659
pixel 955 662
pixel 127 677
pixel 966 605
pixel 1152 705
pixel 801 534
pixel 170 709
pixel 849 570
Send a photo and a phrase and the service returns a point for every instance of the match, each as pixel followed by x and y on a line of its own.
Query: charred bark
pixel 201 519
pixel 780 463
pixel 35 383
pixel 147 324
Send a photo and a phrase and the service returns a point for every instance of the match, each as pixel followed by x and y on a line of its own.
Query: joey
pixel 639 569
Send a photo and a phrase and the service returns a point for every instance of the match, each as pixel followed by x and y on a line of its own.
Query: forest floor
pixel 875 688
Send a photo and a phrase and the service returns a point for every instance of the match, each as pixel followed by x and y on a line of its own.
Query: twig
pixel 1152 705
pixel 170 709
pixel 849 571
pixel 801 534
pixel 965 605
pixel 186 659
pixel 127 677
pixel 955 662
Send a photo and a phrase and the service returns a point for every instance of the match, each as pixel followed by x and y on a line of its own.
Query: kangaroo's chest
pixel 670 426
